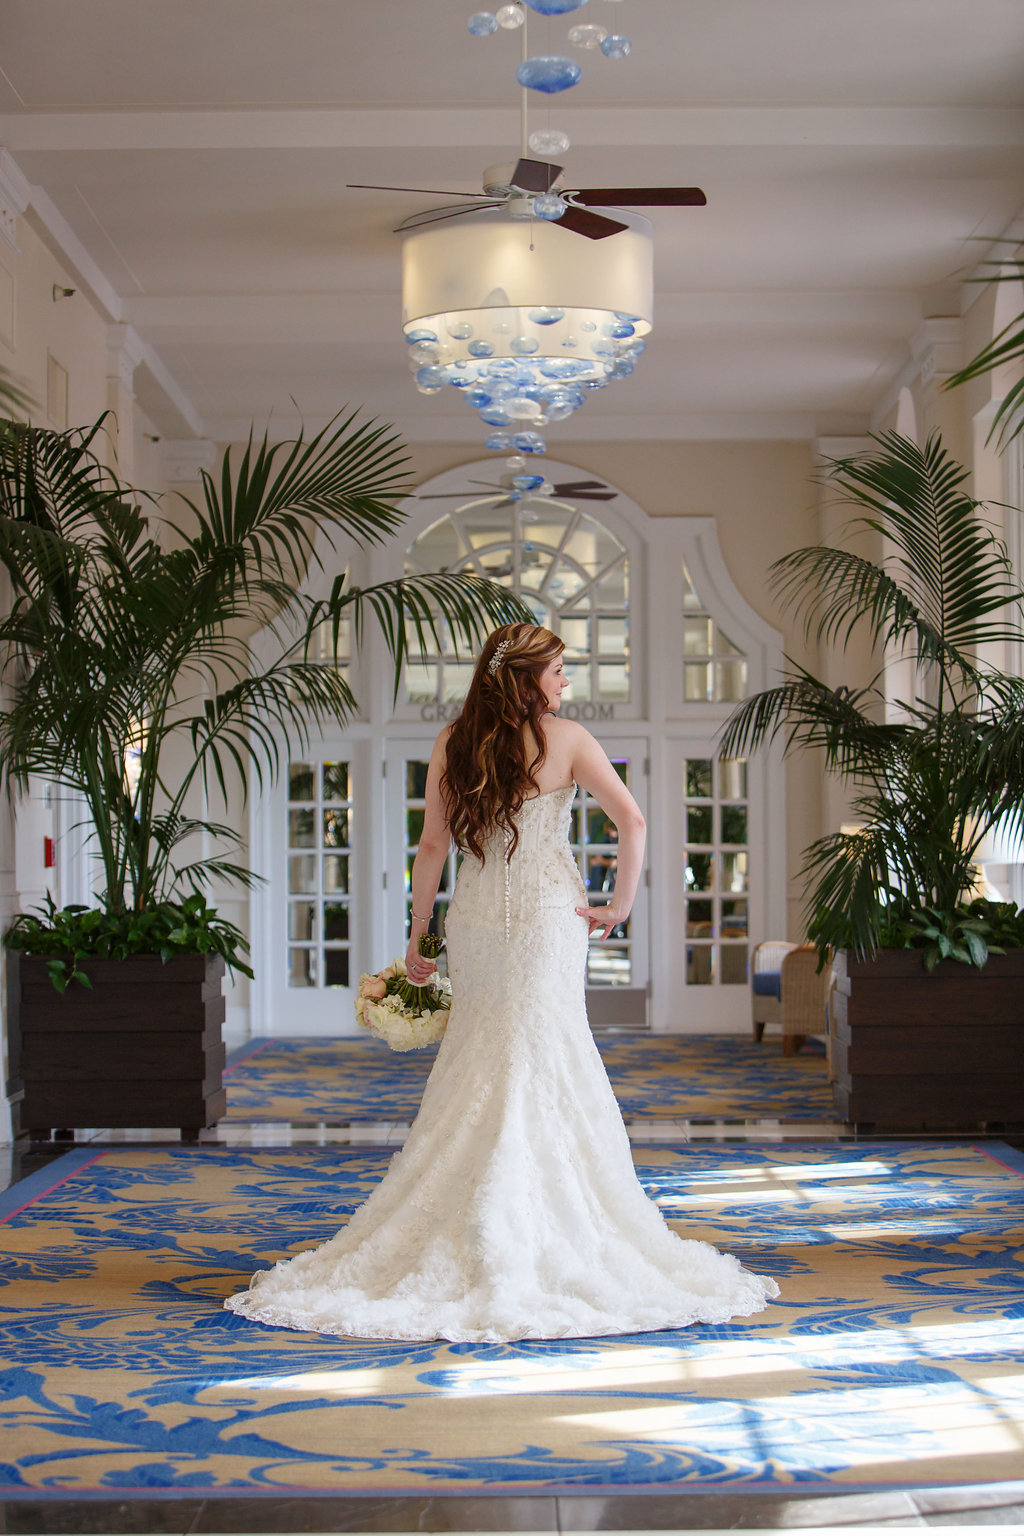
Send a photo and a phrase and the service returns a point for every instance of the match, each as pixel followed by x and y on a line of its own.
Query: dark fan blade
pixel 568 486
pixel 369 186
pixel 594 225
pixel 415 220
pixel 448 495
pixel 641 197
pixel 535 175
pixel 592 495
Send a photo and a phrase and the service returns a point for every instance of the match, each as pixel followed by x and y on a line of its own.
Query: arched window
pixel 565 564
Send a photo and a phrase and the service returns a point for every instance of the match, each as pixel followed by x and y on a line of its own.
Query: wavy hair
pixel 486 775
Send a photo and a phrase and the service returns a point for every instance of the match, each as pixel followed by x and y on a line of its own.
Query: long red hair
pixel 487 775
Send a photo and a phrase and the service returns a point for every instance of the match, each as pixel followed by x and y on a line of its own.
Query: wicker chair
pixel 796 996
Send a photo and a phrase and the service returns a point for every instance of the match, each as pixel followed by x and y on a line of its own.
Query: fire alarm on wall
pixel 48 855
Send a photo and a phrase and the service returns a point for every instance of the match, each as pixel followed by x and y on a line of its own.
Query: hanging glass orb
pixel 546 315
pixel 431 377
pixel 423 352
pixel 555 7
pixel 510 17
pixel 494 416
pixel 412 337
pixel 523 346
pixel 527 482
pixel 482 23
pixel 548 205
pixel 620 329
pixel 549 73
pixel 478 397
pixel 460 330
pixel 514 463
pixel 529 442
pixel 548 141
pixel 616 46
pixel 498 442
pixel 587 36
pixel 522 409
pixel 480 349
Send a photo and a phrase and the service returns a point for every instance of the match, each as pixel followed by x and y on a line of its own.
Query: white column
pixel 124 354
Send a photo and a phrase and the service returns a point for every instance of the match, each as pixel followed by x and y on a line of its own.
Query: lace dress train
pixel 513 1210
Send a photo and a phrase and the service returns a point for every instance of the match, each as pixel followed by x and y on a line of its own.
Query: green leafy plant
pixel 75 933
pixel 928 787
pixel 131 673
pixel 968 933
pixel 1006 347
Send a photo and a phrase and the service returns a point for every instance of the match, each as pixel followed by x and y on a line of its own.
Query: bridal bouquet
pixel 404 1016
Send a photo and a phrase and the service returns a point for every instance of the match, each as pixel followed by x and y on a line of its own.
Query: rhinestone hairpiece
pixel 495 661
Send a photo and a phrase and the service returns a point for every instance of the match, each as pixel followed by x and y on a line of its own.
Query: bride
pixel 513 1211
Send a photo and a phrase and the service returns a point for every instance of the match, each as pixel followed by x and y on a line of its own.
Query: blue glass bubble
pixel 480 349
pixel 502 389
pixel 529 442
pixel 555 7
pixel 588 325
pixel 498 442
pixel 494 416
pixel 523 346
pixel 460 380
pixel 604 349
pixel 569 342
pixel 547 314
pixel 621 369
pixel 527 482
pixel 594 383
pixel 548 205
pixel 630 319
pixel 618 329
pixel 431 378
pixel 616 46
pixel 522 409
pixel 478 398
pixel 423 352
pixel 559 408
pixel 460 330
pixel 482 23
pixel 501 368
pixel 549 73
pixel 412 337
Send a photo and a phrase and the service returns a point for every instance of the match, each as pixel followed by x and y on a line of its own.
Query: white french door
pixel 316 906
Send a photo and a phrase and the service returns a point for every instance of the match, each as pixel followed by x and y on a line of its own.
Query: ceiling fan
pixel 574 490
pixel 527 179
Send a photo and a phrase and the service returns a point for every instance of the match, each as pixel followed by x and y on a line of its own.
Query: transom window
pixel 571 571
pixel 714 669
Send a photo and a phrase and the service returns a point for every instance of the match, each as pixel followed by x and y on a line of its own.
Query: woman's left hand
pixel 608 917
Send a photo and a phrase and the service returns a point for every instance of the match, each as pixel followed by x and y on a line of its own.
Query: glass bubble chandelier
pixel 523 317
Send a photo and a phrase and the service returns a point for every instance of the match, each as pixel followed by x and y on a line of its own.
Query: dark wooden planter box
pixel 143 1048
pixel 919 1052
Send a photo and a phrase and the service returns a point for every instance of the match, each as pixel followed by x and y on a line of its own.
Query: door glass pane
pixel 319 927
pixel 595 845
pixel 716 872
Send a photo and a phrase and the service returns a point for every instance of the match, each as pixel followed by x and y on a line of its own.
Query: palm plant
pixel 928 787
pixel 1006 347
pixel 130 639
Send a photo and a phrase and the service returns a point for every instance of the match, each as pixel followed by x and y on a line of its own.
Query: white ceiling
pixel 193 156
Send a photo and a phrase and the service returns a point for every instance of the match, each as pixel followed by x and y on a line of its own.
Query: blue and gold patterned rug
pixel 895 1355
pixel 699 1077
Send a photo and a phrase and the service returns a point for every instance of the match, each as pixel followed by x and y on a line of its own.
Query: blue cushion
pixel 768 984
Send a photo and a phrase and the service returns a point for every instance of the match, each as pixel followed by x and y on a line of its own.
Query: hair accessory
pixel 499 651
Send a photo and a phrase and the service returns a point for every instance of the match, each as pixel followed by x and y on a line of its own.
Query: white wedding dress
pixel 513 1211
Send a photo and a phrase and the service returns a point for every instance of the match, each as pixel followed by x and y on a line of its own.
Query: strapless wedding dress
pixel 513 1211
